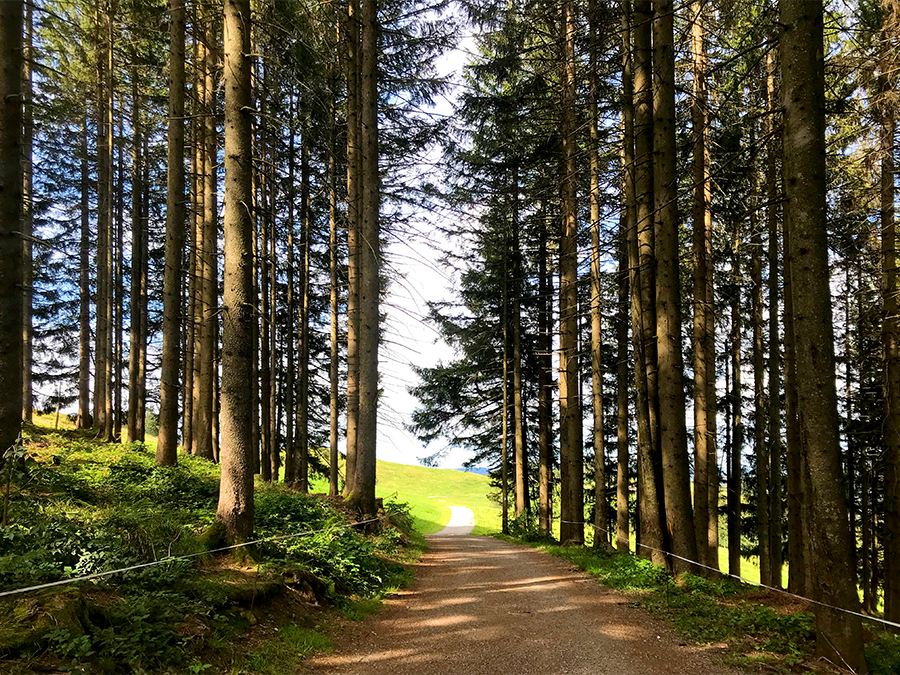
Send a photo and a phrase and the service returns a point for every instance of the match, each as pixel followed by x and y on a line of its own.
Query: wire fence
pixel 749 582
pixel 163 561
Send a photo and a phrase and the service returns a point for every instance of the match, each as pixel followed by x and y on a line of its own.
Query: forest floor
pixel 480 605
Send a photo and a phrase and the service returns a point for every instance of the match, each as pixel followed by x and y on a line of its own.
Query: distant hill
pixel 480 470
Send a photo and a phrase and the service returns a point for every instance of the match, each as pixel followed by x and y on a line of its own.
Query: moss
pixel 213 537
pixel 24 624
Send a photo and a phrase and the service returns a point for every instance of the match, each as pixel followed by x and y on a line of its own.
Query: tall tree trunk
pixel 672 429
pixel 109 228
pixel 504 421
pixel 101 332
pixel 27 213
pixel 118 285
pixel 333 365
pixel 265 373
pixel 137 263
pixel 255 444
pixel 235 509
pixel 199 230
pixel 798 579
pixel 865 520
pixel 362 491
pixel 354 248
pixel 166 451
pixel 774 432
pixel 519 443
pixel 196 214
pixel 274 422
pixel 207 260
pixel 545 380
pixel 570 450
pixel 141 412
pixel 11 247
pixel 890 337
pixel 622 473
pixel 704 390
pixel 290 469
pixel 733 497
pixel 642 263
pixel 303 333
pixel 839 635
pixel 85 420
pixel 601 519
pixel 760 449
pixel 627 226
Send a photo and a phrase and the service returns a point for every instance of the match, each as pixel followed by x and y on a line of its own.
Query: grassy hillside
pixel 429 493
pixel 76 506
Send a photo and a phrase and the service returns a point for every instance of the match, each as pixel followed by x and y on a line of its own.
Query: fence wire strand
pixel 749 582
pixel 98 575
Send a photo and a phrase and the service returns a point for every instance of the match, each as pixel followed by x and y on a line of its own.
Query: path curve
pixel 462 522
pixel 480 606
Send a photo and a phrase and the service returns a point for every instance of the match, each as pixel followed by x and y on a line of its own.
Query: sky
pixel 419 278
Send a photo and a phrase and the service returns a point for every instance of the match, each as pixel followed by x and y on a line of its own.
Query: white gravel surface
pixel 462 522
pixel 480 606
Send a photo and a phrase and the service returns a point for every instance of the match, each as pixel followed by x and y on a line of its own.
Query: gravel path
pixel 480 606
pixel 462 521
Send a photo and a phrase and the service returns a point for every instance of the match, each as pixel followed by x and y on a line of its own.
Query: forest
pixel 672 228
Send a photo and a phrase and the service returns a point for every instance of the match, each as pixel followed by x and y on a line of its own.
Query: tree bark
pixel 774 431
pixel 672 429
pixel 362 491
pixel 504 421
pixel 274 371
pixel 235 509
pixel 11 247
pixel 798 579
pixel 354 248
pixel 890 337
pixel 137 264
pixel 868 603
pixel 118 285
pixel 101 331
pixel 627 226
pixel 85 420
pixel 27 214
pixel 290 468
pixel 704 389
pixel 545 383
pixel 109 231
pixel 601 517
pixel 207 258
pixel 333 365
pixel 265 372
pixel 839 635
pixel 196 211
pixel 303 333
pixel 141 412
pixel 570 449
pixel 737 435
pixel 166 451
pixel 642 263
pixel 519 444
pixel 760 449
pixel 622 472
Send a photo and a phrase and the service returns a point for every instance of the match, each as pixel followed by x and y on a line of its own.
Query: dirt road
pixel 480 606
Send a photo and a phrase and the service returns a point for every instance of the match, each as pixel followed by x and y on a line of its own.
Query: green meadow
pixel 431 492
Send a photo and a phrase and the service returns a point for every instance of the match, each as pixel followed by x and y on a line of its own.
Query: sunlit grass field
pixel 430 492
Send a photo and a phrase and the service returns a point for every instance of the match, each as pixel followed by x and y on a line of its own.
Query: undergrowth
pixel 708 611
pixel 85 507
